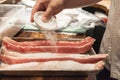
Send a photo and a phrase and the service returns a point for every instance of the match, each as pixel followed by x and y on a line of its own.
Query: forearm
pixel 78 3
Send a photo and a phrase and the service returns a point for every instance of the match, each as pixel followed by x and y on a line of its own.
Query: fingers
pixel 49 10
pixel 48 14
pixel 43 5
pixel 32 14
pixel 38 7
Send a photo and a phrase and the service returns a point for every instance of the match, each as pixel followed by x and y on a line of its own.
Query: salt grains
pixel 52 37
pixel 48 28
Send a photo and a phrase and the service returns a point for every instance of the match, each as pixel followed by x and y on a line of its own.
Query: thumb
pixel 48 14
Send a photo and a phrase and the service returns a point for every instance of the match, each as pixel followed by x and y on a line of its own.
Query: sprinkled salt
pixel 48 28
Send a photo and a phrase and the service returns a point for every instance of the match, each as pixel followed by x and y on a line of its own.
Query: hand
pixel 51 8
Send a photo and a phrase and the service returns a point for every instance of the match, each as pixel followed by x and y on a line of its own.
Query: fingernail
pixel 44 19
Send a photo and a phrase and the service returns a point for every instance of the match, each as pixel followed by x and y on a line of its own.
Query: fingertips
pixel 48 14
pixel 42 5
pixel 32 19
pixel 35 9
pixel 44 19
pixel 43 1
pixel 32 14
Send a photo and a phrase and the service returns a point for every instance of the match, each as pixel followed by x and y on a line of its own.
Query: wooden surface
pixel 104 5
pixel 44 78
